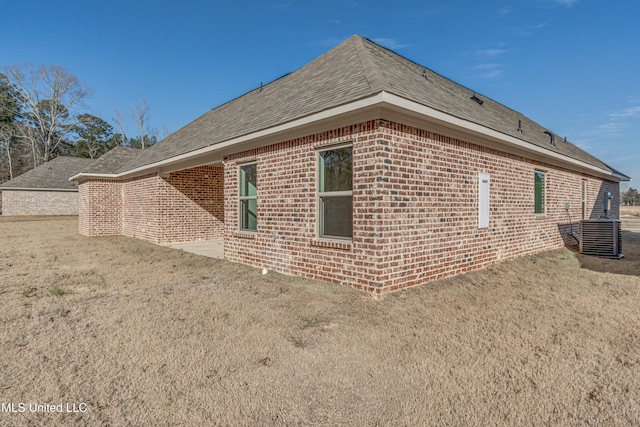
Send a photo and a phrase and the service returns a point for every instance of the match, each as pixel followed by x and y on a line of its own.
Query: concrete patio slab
pixel 208 248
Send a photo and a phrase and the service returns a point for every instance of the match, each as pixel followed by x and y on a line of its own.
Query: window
pixel 248 198
pixel 335 198
pixel 539 180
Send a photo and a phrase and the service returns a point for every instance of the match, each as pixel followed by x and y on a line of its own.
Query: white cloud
pixel 489 70
pixel 486 66
pixel 528 30
pixel 491 74
pixel 612 129
pixel 627 112
pixel 565 3
pixel 612 126
pixel 556 3
pixel 491 52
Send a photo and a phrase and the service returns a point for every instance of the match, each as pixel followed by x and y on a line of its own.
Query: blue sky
pixel 571 65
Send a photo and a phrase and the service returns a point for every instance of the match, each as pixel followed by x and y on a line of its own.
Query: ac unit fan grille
pixel 601 238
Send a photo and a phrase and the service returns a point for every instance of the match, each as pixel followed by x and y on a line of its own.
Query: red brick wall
pixel 19 202
pixel 415 202
pixel 192 205
pixel 286 237
pixel 185 206
pixel 140 203
pixel 429 193
pixel 415 215
pixel 99 207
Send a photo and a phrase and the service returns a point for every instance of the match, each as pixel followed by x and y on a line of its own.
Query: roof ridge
pixel 372 73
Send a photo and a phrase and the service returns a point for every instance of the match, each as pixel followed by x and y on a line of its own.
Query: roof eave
pixel 453 125
pixel 267 134
pixel 621 177
pixel 87 175
pixel 377 103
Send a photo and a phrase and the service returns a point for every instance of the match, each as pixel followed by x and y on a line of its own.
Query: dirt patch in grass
pixel 147 335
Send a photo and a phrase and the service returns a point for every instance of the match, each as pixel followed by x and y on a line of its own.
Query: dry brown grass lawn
pixel 147 335
pixel 626 211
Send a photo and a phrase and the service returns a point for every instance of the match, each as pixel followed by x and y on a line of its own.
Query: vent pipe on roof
pixel 478 100
pixel 552 141
pixel 424 74
pixel 520 126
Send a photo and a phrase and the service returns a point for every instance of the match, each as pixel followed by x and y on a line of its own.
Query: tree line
pixel 42 116
pixel 631 197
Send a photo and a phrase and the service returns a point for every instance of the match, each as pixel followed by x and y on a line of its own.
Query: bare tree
pixel 49 96
pixel 120 123
pixel 7 136
pixel 140 115
pixel 164 132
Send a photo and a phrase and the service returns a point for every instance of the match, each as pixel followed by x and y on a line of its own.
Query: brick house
pixel 45 190
pixel 361 168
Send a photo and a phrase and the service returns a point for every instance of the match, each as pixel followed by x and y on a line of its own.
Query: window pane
pixel 248 214
pixel 248 180
pixel 336 217
pixel 335 170
pixel 539 192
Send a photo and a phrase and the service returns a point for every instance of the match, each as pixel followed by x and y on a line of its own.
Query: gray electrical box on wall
pixel 483 200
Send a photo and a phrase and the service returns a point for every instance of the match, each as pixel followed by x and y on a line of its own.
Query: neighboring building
pixel 361 168
pixel 45 190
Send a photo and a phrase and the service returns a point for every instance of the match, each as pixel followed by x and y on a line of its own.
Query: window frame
pixel 543 202
pixel 321 194
pixel 242 198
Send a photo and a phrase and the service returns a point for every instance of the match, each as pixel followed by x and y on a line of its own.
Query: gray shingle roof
pixel 53 175
pixel 355 69
pixel 112 160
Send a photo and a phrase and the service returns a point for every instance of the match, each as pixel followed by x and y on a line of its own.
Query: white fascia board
pixel 622 177
pixel 456 123
pixel 82 175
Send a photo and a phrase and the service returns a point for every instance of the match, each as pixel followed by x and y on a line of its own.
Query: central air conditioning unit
pixel 601 237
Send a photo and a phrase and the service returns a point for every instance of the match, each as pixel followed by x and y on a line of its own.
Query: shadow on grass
pixel 629 265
